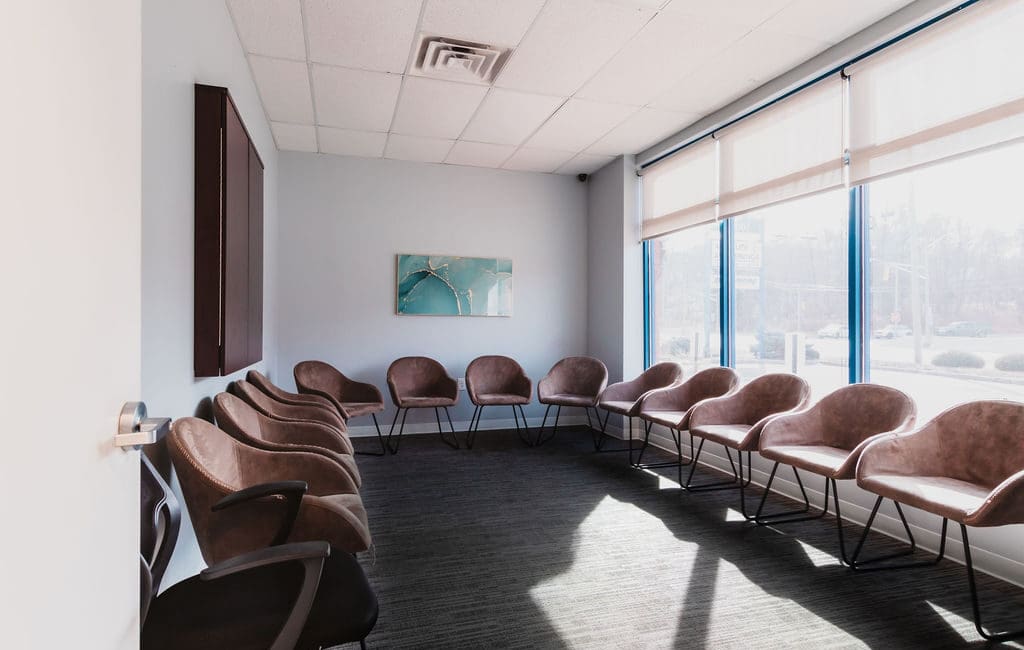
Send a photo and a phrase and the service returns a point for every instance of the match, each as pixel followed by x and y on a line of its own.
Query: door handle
pixel 135 428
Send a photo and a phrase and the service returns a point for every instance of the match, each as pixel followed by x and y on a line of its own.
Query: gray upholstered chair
pixel 421 383
pixel 351 398
pixel 735 421
pixel 624 397
pixel 828 438
pixel 965 465
pixel 261 381
pixel 671 408
pixel 572 382
pixel 251 427
pixel 276 410
pixel 494 380
pixel 211 465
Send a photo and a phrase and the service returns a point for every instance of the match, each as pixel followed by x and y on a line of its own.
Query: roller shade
pixel 680 192
pixel 790 149
pixel 951 89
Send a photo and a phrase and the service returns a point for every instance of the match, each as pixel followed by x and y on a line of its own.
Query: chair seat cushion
pixel 819 459
pixel 247 609
pixel 620 407
pixel 337 518
pixel 670 419
pixel 569 399
pixel 501 399
pixel 730 435
pixel 355 409
pixel 939 495
pixel 425 402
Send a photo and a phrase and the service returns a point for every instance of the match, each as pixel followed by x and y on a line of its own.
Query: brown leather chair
pixel 828 438
pixel 297 595
pixel 251 427
pixel 212 465
pixel 573 382
pixel 735 421
pixel 421 383
pixel 261 381
pixel 966 464
pixel 276 410
pixel 625 396
pixel 671 408
pixel 352 398
pixel 497 381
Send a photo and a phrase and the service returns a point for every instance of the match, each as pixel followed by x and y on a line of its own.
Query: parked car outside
pixel 775 347
pixel 834 331
pixel 893 332
pixel 964 328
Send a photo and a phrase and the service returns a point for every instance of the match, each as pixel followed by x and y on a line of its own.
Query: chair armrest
pixel 523 386
pixel 292 491
pixel 623 391
pixel 448 387
pixel 322 474
pixel 546 387
pixel 800 428
pixel 1004 505
pixel 904 454
pixel 312 555
pixel 307 432
pixel 359 391
pixel 719 410
pixel 306 390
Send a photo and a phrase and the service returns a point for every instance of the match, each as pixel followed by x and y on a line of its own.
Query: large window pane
pixel 947 281
pixel 791 291
pixel 684 308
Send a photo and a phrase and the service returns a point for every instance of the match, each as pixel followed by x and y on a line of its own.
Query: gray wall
pixel 186 42
pixel 344 220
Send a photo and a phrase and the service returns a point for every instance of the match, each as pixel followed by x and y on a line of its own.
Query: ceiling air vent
pixel 448 58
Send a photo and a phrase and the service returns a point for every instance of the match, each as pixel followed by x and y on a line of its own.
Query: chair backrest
pixel 270 407
pixel 661 375
pixel 415 377
pixel 979 442
pixel 775 392
pixel 319 376
pixel 237 418
pixel 159 520
pixel 851 414
pixel 496 374
pixel 575 375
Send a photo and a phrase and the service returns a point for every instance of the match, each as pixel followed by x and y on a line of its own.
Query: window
pixel 791 290
pixel 685 268
pixel 947 281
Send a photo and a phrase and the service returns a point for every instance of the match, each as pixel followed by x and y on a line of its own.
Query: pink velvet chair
pixel 624 397
pixel 494 380
pixel 351 398
pixel 572 382
pixel 421 383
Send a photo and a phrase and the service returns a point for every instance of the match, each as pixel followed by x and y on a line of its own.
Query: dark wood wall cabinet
pixel 229 238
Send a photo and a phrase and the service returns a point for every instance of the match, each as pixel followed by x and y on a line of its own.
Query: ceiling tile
pixel 760 56
pixel 355 99
pixel 352 143
pixel 294 137
pixel 479 154
pixel 831 20
pixel 373 35
pixel 410 147
pixel 284 89
pixel 537 160
pixel 568 43
pixel 578 124
pixel 495 22
pixel 749 13
pixel 509 117
pixel 436 109
pixel 269 27
pixel 585 163
pixel 671 42
pixel 644 128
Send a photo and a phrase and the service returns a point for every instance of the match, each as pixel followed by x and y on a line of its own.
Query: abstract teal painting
pixel 440 285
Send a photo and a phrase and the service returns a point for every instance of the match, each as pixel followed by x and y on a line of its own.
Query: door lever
pixel 135 429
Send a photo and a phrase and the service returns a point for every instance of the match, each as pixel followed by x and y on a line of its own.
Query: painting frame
pixel 453 285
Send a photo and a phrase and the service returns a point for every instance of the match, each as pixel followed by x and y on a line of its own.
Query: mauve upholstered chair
pixel 351 398
pixel 735 421
pixel 966 464
pixel 671 408
pixel 251 427
pixel 494 380
pixel 572 382
pixel 421 383
pixel 212 465
pixel 261 381
pixel 624 397
pixel 828 438
pixel 283 596
pixel 272 408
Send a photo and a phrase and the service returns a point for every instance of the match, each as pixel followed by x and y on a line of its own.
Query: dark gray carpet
pixel 558 547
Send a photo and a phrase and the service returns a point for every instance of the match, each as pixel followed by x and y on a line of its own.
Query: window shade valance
pixel 680 192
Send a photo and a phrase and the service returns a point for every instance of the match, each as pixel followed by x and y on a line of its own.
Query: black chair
pixel 284 596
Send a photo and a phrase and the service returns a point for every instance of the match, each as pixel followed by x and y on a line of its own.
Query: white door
pixel 70 183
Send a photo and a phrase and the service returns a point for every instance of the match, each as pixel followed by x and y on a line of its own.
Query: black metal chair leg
pixel 398 440
pixel 975 606
pixel 474 423
pixel 525 436
pixel 440 431
pixel 715 485
pixel 362 644
pixel 599 439
pixel 380 437
pixel 859 565
pixel 790 516
pixel 540 434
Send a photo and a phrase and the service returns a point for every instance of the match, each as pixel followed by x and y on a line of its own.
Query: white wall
pixel 186 42
pixel 345 219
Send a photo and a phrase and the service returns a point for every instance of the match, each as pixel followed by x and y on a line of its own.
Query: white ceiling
pixel 587 79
